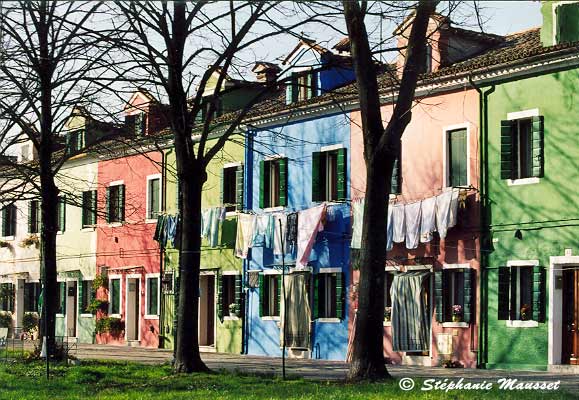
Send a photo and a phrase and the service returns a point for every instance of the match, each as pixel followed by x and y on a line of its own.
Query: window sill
pixel 147 316
pixel 150 221
pixel 115 315
pixel 114 224
pixel 60 315
pixel 86 315
pixel 8 238
pixel 270 318
pixel 522 324
pixel 455 324
pixel 230 318
pixel 274 209
pixel 88 229
pixel 523 181
pixel 329 320
pixel 387 323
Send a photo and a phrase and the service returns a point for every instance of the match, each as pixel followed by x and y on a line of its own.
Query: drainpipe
pixel 247 200
pixel 485 230
pixel 161 255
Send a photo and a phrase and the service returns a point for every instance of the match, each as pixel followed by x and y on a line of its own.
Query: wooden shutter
pixel 537 146
pixel 469 284
pixel 292 90
pixel 438 295
pixel 395 182
pixel 539 278
pixel 108 205
pixel 130 123
pixel 62 290
pixel 279 294
pixel 239 187
pixel 238 291
pixel 309 80
pixel 316 181
pixel 121 205
pixel 340 281
pixel 80 299
pixel 140 124
pixel 5 221
pixel 220 311
pixel 61 214
pixel 342 171
pixel 262 180
pixel 283 190
pixel 316 302
pixel 261 294
pixel 507 148
pixel 457 147
pixel 93 207
pixel 30 216
pixel 504 304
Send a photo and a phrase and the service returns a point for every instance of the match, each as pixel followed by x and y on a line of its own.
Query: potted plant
pixel 526 312
pixel 29 241
pixel 30 323
pixel 388 314
pixel 97 305
pixel 456 313
pixel 4 244
pixel 234 310
pixel 6 321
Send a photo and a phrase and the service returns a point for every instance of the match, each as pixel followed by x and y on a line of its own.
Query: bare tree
pixel 381 146
pixel 48 59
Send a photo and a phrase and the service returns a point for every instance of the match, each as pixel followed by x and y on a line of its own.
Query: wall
pixel 297 141
pixel 545 212
pixel 423 171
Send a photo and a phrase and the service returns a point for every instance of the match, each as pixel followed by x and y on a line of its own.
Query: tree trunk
pixel 187 357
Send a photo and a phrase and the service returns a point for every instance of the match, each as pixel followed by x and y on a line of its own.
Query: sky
pixel 512 16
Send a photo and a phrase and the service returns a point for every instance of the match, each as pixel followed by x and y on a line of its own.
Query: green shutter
pixel 222 187
pixel 61 214
pixel 438 295
pixel 539 278
pixel 62 290
pixel 342 174
pixel 239 187
pixel 80 297
pixel 504 305
pixel 537 149
pixel 283 182
pixel 238 290
pixel 140 124
pixel 262 180
pixel 457 147
pixel 279 294
pixel 108 205
pixel 5 221
pixel 340 280
pixel 309 80
pixel 121 205
pixel 395 182
pixel 30 219
pixel 507 149
pixel 316 302
pixel 261 294
pixel 289 90
pixel 316 164
pixel 220 311
pixel 469 285
pixel 93 207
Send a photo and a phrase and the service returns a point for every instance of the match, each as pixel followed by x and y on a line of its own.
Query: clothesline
pixel 395 200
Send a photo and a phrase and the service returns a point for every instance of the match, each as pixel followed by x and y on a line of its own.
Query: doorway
pixel 133 309
pixel 71 308
pixel 207 310
pixel 570 328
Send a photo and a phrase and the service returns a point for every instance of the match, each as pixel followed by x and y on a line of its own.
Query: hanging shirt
pixel 310 223
pixel 453 212
pixel 390 229
pixel 205 222
pixel 171 229
pixel 443 201
pixel 279 231
pixel 412 216
pixel 245 225
pixel 292 232
pixel 399 223
pixel 358 215
pixel 263 231
pixel 428 221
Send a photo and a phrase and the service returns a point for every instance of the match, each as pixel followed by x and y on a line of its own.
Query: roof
pixel 308 43
pixel 343 44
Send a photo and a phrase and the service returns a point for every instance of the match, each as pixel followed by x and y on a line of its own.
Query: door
pixel 570 338
pixel 71 308
pixel 206 310
pixel 132 318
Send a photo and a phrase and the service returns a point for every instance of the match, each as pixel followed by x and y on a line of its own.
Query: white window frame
pixel 267 272
pixel 325 271
pixel 229 273
pixel 148 196
pixel 446 153
pixel 273 158
pixel 147 277
pixel 533 112
pixel 111 278
pixel 519 323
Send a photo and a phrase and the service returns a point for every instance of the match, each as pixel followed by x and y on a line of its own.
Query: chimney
pixel 265 71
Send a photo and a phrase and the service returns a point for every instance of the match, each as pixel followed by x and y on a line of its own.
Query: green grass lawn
pixel 110 381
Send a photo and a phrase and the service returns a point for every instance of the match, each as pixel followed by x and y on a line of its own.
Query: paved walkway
pixel 315 369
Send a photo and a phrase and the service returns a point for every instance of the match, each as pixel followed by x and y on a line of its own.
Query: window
pixel 232 188
pixel 396 181
pixel 61 298
pixel 522 148
pixel 135 124
pixel 269 295
pixel 9 220
pixel 329 175
pixel 302 86
pixel 566 29
pixel 89 208
pixel 115 203
pixel 86 295
pixel 229 292
pixel 328 295
pixel 61 214
pixel 273 185
pixel 457 157
pixel 31 296
pixel 153 197
pixel 114 296
pixel 7 297
pixel 521 293
pixel 153 296
pixel 34 216
pixel 25 153
pixel 453 294
pixel 388 277
pixel 168 282
pixel 74 141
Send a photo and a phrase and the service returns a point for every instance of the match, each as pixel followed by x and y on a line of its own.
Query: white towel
pixel 453 208
pixel 399 223
pixel 443 212
pixel 278 235
pixel 358 216
pixel 412 215
pixel 245 225
pixel 428 221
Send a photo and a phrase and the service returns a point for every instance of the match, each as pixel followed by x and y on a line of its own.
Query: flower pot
pixel 233 314
pixel 456 318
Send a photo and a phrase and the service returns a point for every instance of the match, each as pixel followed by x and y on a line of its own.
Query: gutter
pixel 162 252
